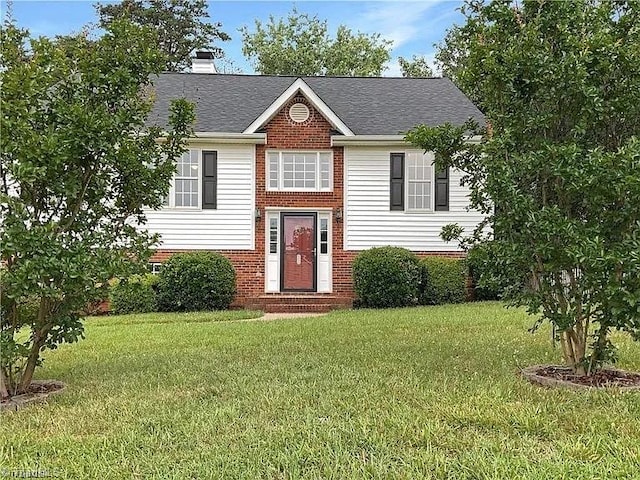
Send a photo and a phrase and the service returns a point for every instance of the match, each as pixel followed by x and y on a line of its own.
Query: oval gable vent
pixel 299 112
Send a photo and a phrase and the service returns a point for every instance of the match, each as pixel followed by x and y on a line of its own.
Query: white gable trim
pixel 368 140
pixel 380 140
pixel 299 86
pixel 225 137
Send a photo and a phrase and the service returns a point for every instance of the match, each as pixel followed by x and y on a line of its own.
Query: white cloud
pixel 402 22
pixel 413 27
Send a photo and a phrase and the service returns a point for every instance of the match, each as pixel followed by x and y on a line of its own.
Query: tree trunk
pixel 39 338
pixel 30 367
pixel 574 351
pixel 4 392
pixel 598 351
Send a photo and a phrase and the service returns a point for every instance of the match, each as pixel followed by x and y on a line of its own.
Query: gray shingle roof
pixel 368 106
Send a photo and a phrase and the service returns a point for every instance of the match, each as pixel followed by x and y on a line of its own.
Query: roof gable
pixel 299 86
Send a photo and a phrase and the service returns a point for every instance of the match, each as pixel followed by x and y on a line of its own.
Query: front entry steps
pixel 283 302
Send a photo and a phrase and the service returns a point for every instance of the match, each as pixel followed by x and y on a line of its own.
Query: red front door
pixel 298 260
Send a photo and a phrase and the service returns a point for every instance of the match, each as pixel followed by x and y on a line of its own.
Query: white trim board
pixel 225 137
pixel 380 141
pixel 299 86
pixel 369 140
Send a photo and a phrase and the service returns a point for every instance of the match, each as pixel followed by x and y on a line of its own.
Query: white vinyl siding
pixel 368 221
pixel 228 227
pixel 299 171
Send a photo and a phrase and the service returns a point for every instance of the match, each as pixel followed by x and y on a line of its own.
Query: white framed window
pixel 154 267
pixel 419 171
pixel 185 185
pixel 299 171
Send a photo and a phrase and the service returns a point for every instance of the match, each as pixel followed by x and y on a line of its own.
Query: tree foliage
pixel 560 85
pixel 181 26
pixel 450 56
pixel 78 168
pixel 301 45
pixel 416 67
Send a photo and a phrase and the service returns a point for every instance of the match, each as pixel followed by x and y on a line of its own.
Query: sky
pixel 414 27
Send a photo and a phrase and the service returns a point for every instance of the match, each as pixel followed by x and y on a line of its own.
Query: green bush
pixel 385 277
pixel 134 295
pixel 480 262
pixel 196 281
pixel 445 280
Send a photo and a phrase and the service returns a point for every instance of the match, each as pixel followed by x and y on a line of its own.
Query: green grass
pixel 414 393
pixel 190 317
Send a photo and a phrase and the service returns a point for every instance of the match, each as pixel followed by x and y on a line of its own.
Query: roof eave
pixel 379 140
pixel 367 140
pixel 229 137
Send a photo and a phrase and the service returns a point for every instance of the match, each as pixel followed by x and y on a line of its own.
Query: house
pixel 291 177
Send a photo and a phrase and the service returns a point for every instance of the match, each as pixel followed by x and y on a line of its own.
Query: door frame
pixel 282 240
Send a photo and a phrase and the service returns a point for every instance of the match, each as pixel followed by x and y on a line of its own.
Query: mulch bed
pixel 39 391
pixel 560 376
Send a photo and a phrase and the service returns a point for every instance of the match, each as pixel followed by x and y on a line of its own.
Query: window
pixel 194 184
pixel 273 235
pixel 186 180
pixel 299 171
pixel 324 235
pixel 154 268
pixel 419 171
pixel 413 184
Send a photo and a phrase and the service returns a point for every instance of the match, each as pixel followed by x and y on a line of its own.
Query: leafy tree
pixel 560 85
pixel 78 165
pixel 301 45
pixel 450 56
pixel 181 26
pixel 416 67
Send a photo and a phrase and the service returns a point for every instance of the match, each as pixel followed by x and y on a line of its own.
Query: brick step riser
pixel 297 303
pixel 305 301
pixel 297 308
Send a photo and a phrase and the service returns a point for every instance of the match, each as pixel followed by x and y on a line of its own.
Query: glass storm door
pixel 298 260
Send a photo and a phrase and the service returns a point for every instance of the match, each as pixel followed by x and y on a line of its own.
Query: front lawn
pixel 414 393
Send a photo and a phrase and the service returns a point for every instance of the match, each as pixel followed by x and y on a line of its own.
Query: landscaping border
pixel 531 374
pixel 18 402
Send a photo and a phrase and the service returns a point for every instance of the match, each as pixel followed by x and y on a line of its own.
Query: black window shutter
pixel 442 190
pixel 397 181
pixel 209 179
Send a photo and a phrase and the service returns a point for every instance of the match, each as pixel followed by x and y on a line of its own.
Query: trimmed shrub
pixel 480 263
pixel 135 294
pixel 195 282
pixel 445 280
pixel 385 277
